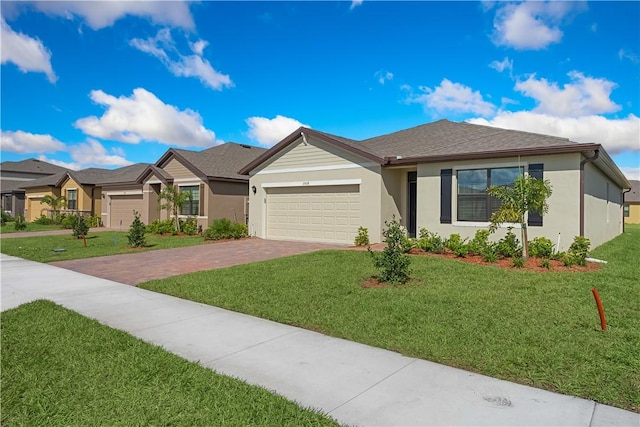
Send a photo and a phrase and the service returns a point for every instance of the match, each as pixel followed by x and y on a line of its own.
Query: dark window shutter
pixel 201 195
pixel 445 195
pixel 535 171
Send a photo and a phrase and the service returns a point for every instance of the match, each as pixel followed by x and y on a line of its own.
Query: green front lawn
pixel 41 248
pixel 62 369
pixel 540 329
pixel 9 227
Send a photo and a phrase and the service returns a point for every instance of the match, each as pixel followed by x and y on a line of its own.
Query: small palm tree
pixel 55 202
pixel 527 194
pixel 172 199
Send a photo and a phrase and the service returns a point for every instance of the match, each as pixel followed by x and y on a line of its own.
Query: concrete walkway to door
pixel 137 268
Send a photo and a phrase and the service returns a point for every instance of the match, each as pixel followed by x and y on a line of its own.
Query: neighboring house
pixel 313 186
pixel 632 204
pixel 211 176
pixel 12 177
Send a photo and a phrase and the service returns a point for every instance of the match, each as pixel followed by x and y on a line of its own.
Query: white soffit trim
pixel 186 181
pixel 317 168
pixel 312 183
pixel 123 193
pixel 35 196
pixel 155 181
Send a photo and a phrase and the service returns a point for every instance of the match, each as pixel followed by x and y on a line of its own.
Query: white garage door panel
pixel 323 213
pixel 122 207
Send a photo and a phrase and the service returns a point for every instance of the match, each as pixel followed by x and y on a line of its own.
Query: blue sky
pixel 106 84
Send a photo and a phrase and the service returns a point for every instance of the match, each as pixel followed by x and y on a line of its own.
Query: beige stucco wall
pixel 313 163
pixel 564 204
pixel 227 200
pixel 33 205
pixel 602 206
pixel 393 194
pixel 634 214
pixel 84 195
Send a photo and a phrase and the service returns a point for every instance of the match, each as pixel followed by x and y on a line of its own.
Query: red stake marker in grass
pixel 603 321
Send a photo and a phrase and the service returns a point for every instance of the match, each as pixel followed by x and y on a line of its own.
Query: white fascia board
pixel 123 193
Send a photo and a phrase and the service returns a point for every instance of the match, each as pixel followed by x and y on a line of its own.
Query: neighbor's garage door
pixel 122 207
pixel 322 214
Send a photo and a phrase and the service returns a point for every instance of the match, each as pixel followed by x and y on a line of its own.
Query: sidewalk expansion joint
pixel 593 413
pixel 253 345
pixel 372 386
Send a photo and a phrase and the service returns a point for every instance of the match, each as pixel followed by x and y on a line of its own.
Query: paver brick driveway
pixel 136 268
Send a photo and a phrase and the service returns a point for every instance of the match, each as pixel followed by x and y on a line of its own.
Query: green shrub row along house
pixel 315 186
pixel 210 176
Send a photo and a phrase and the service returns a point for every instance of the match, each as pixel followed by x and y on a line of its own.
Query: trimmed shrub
pixel 509 246
pixel 541 247
pixel 19 223
pixel 94 221
pixel 456 244
pixel 362 239
pixel 5 218
pixel 430 242
pixel 136 232
pixel 518 262
pixel 69 222
pixel 80 228
pixel 225 229
pixel 43 220
pixel 189 226
pixel 579 249
pixel 166 226
pixel 392 262
pixel 479 243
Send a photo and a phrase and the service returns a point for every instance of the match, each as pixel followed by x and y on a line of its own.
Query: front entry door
pixel 412 208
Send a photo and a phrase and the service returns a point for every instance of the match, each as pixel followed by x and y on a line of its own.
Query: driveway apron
pixel 137 268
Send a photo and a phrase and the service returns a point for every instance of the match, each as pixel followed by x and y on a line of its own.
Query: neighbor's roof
pixel 11 185
pixel 91 176
pixel 446 141
pixel 31 166
pixel 222 161
pixel 633 196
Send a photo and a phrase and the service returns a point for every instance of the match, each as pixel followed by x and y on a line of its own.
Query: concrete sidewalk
pixel 354 383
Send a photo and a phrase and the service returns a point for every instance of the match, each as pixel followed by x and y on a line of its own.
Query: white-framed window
pixel 72 199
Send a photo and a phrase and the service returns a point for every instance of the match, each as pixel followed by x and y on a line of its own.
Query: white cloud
pixel 383 76
pixel 94 153
pixel 453 97
pixel 66 165
pixel 25 142
pixel 631 173
pixel 27 53
pixel 355 3
pixel 582 97
pixel 268 132
pixel 101 14
pixel 532 24
pixel 164 48
pixel 500 66
pixel 144 117
pixel 616 135
pixel 628 54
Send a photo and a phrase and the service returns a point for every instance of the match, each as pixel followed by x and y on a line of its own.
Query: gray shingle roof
pixel 92 176
pixel 633 196
pixel 11 185
pixel 31 166
pixel 222 161
pixel 444 138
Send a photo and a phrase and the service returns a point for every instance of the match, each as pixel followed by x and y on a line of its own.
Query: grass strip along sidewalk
pixel 60 368
pixel 540 329
pixel 41 248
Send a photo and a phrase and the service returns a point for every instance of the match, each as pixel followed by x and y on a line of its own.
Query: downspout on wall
pixel 623 193
pixel 582 163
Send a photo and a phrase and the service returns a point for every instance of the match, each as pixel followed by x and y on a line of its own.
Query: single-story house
pixel 314 186
pixel 632 204
pixel 12 177
pixel 211 176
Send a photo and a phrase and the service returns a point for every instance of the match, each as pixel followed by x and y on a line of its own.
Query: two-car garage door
pixel 121 209
pixel 323 213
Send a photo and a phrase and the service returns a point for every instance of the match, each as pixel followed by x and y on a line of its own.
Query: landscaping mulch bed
pixel 531 264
